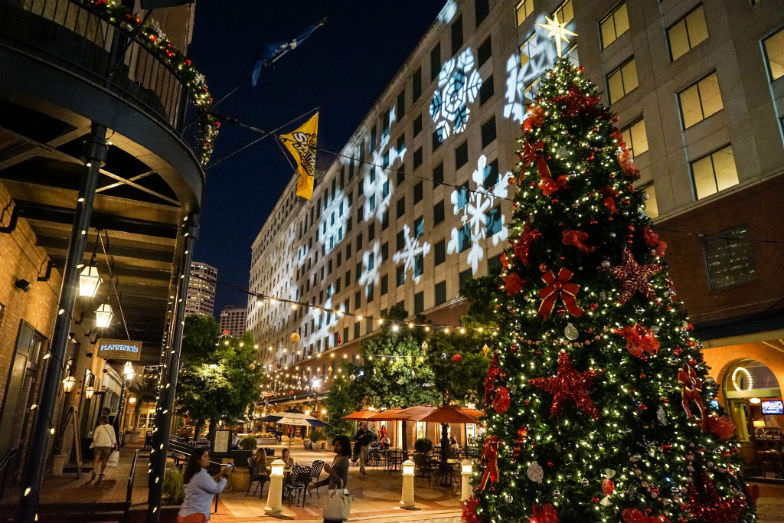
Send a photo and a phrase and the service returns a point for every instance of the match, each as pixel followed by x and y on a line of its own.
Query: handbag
pixel 338 505
pixel 114 459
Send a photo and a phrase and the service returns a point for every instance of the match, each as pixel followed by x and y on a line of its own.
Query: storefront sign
pixel 119 349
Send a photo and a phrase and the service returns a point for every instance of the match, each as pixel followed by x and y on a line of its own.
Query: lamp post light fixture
pixel 89 281
pixel 68 383
pixel 103 316
pixel 89 391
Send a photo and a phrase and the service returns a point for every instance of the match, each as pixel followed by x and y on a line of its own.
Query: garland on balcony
pixel 154 39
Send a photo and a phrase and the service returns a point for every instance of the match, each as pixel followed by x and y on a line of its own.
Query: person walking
pixel 104 442
pixel 363 439
pixel 200 488
pixel 338 476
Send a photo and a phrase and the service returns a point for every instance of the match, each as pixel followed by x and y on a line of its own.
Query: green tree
pixel 458 365
pixel 221 385
pixel 341 401
pixel 600 395
pixel 200 337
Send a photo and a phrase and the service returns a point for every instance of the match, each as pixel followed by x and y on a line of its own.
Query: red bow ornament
pixel 544 514
pixel 549 185
pixel 534 153
pixel 627 164
pixel 651 239
pixel 522 247
pixel 490 457
pixel 469 510
pixel 493 374
pixel 721 426
pixel 609 198
pixel 639 340
pixel 692 390
pixel 577 239
pixel 559 287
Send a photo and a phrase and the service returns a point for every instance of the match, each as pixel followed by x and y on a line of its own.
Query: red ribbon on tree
pixel 490 457
pixel 691 391
pixel 575 101
pixel 577 239
pixel 535 119
pixel 469 510
pixel 639 340
pixel 534 153
pixel 707 506
pixel 635 515
pixel 493 373
pixel 559 287
pixel 522 247
pixel 549 185
pixel 610 195
pixel 652 240
pixel 544 514
pixel 502 400
pixel 721 426
pixel 513 283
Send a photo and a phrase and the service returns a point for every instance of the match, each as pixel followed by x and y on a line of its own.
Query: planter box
pixel 239 479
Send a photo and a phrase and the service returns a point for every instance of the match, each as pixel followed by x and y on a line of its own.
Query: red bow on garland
pixel 534 153
pixel 559 288
pixel 490 456
pixel 639 340
pixel 692 390
pixel 721 426
pixel 534 119
pixel 522 248
pixel 469 510
pixel 513 283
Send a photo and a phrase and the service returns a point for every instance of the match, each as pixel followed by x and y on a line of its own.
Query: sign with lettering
pixel 119 349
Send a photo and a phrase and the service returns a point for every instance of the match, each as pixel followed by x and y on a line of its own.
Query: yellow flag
pixel 301 143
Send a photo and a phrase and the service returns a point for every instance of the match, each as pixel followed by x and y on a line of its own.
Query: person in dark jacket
pixel 363 439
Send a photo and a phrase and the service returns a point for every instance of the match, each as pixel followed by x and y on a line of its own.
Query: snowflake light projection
pixel 332 225
pixel 540 55
pixel 376 185
pixel 371 259
pixel 323 321
pixel 410 251
pixel 458 86
pixel 474 210
pixel 447 12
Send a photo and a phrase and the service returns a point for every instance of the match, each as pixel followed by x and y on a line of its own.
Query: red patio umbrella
pixel 361 414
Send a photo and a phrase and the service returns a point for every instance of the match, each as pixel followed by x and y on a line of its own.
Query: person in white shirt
pixel 200 488
pixel 104 442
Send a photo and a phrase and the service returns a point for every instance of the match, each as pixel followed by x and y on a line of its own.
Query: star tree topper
pixel 568 384
pixel 557 31
pixel 634 277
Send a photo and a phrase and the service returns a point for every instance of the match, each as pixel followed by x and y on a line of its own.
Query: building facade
pixel 232 320
pixel 201 289
pixel 417 202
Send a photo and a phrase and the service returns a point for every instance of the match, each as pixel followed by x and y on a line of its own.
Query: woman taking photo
pixel 337 480
pixel 200 488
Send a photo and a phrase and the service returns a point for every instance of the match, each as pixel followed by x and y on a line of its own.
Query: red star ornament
pixel 634 278
pixel 568 384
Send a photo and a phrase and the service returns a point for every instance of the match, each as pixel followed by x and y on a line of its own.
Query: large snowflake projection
pixel 412 250
pixel 323 322
pixel 377 185
pixel 447 12
pixel 474 209
pixel 458 86
pixel 371 259
pixel 523 68
pixel 332 226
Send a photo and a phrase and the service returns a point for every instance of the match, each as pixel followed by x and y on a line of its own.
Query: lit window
pixel 651 204
pixel 714 172
pixel 687 33
pixel 565 13
pixel 774 52
pixel 614 25
pixel 523 10
pixel 636 137
pixel 729 258
pixel 622 80
pixel 700 100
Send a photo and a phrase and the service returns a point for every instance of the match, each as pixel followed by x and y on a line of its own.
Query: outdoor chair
pixel 297 484
pixel 255 477
pixel 315 471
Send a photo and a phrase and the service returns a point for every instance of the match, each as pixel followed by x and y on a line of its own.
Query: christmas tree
pixel 599 405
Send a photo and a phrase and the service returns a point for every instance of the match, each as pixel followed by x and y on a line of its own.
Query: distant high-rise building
pixel 232 319
pixel 201 289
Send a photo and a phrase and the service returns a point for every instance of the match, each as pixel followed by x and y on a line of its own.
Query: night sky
pixel 342 67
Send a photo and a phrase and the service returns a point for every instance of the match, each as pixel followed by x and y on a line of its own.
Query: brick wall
pixel 20 258
pixel 760 208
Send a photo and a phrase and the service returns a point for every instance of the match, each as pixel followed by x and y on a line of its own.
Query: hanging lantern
pixel 128 371
pixel 89 281
pixel 103 316
pixel 294 337
pixel 89 391
pixel 68 383
pixel 132 400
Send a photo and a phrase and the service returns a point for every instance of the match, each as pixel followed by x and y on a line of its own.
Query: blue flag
pixel 274 51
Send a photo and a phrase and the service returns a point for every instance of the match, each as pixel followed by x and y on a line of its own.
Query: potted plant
pixel 173 493
pixel 422 447
pixel 318 438
pixel 248 443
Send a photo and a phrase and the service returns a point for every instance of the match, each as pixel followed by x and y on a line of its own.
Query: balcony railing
pixel 115 50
